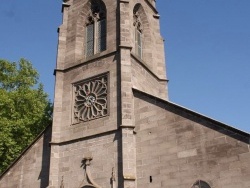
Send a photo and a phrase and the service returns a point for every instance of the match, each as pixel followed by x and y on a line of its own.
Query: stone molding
pixel 84 61
pixel 65 142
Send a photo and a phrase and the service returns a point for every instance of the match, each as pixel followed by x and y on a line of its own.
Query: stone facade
pixel 176 147
pixel 32 167
pixel 113 125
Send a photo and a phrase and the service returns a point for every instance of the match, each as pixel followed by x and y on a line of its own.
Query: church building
pixel 113 124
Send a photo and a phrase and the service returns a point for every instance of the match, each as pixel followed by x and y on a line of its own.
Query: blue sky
pixel 207 45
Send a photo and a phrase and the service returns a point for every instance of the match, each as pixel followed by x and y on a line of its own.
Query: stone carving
pixel 97 12
pixel 91 99
pixel 87 179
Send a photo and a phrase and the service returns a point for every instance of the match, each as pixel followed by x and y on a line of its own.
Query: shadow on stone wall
pixel 44 174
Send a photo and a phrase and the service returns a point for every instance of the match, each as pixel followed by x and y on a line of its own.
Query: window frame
pixel 101 35
pixel 138 43
pixel 138 32
pixel 97 41
pixel 87 47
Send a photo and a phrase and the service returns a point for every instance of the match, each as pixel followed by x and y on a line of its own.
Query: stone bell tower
pixel 113 126
pixel 105 49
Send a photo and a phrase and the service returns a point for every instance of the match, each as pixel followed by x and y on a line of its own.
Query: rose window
pixel 91 99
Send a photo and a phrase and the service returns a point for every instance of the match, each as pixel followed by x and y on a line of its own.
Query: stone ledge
pixel 85 61
pixel 126 46
pixel 127 126
pixel 65 142
pixel 157 16
pixel 129 177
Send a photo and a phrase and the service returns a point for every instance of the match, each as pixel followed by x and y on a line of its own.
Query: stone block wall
pixel 103 149
pixel 176 147
pixel 152 41
pixel 64 126
pixel 31 169
pixel 72 34
pixel 145 80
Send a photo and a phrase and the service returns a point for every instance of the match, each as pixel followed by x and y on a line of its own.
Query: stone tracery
pixel 97 12
pixel 91 99
pixel 137 20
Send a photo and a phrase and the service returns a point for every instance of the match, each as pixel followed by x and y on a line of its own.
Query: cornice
pixel 85 61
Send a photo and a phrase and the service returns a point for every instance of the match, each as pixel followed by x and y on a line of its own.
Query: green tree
pixel 25 109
